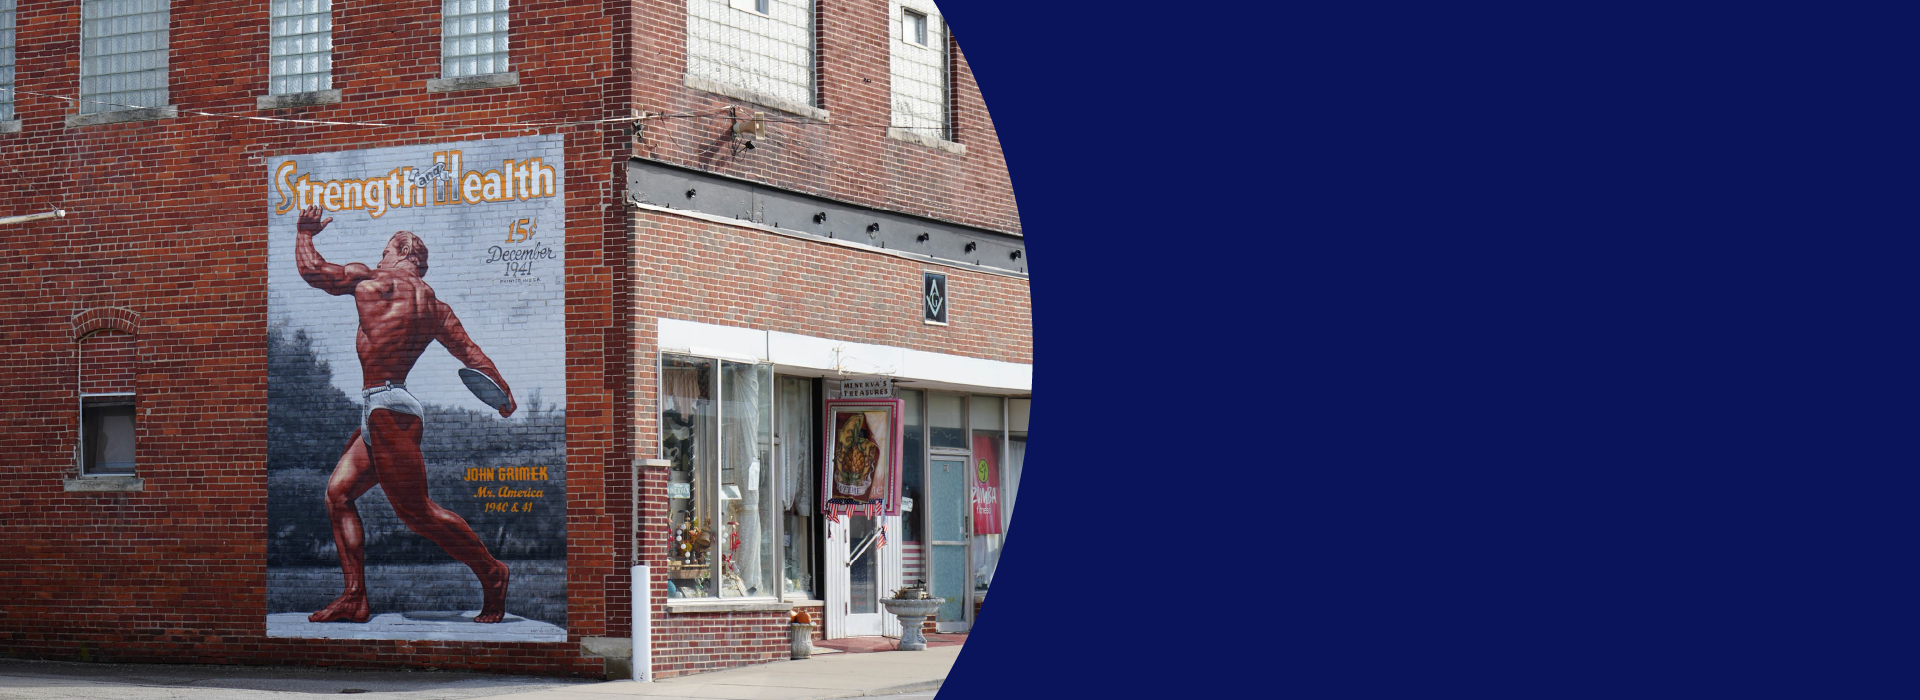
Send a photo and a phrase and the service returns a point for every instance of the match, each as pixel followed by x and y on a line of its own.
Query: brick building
pixel 366 324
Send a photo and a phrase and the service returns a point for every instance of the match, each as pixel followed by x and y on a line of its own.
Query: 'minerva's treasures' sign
pixel 876 388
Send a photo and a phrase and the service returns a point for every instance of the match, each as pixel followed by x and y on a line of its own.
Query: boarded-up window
pixel 762 46
pixel 919 59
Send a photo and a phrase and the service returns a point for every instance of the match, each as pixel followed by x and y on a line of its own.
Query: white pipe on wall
pixel 55 214
pixel 642 625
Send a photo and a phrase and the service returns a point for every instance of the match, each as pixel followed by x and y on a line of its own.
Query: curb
pixel 906 688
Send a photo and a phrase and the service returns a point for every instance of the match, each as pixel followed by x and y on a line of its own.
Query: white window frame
pixel 753 6
pixel 906 12
pixel 716 569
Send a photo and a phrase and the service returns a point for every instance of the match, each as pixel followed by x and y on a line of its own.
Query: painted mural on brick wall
pixel 416 393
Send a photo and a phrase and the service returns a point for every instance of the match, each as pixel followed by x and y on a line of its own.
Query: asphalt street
pixel 57 680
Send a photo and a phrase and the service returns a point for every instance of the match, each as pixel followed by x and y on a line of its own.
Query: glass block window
pixel 301 57
pixel 919 58
pixel 123 54
pixel 6 60
pixel 763 46
pixel 473 38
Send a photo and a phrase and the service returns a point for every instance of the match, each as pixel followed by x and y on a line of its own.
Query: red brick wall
pixel 167 221
pixel 852 158
pixel 691 643
pixel 166 228
pixel 106 363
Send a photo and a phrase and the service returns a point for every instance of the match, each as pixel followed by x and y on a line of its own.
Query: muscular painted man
pixel 399 317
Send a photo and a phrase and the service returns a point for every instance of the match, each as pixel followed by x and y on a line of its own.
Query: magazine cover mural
pixel 416 393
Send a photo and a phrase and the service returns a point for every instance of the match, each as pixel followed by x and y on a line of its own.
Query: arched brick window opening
pixel 107 401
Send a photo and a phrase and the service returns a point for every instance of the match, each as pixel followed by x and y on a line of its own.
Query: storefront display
pixel 719 489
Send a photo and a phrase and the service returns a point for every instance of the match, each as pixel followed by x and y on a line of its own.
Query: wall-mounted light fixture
pixel 750 130
pixel 1015 255
pixel 820 218
pixel 691 192
pixel 972 245
pixel 923 237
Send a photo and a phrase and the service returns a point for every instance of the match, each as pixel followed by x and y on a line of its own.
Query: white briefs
pixel 390 396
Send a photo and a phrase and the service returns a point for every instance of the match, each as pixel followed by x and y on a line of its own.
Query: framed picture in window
pixel 861 455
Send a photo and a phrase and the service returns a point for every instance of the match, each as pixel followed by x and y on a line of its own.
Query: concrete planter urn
pixel 802 637
pixel 911 612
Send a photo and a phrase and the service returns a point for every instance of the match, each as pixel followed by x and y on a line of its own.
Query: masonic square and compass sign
pixel 934 301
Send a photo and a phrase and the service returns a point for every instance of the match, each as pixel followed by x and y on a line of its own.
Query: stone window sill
pixel 12 127
pixel 474 82
pixel 298 99
pixel 123 116
pixel 682 606
pixel 107 484
pixel 744 95
pixel 911 136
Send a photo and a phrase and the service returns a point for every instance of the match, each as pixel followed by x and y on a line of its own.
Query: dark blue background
pixel 1448 350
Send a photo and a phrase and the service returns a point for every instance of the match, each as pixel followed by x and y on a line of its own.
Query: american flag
pixel 883 537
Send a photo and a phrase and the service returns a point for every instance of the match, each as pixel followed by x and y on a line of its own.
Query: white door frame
pixel 841 622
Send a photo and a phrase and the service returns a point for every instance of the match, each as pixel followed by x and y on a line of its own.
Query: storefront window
pixel 748 560
pixel 1017 412
pixel 947 420
pixel 688 428
pixel 913 468
pixel 795 433
pixel 983 478
pixel 719 484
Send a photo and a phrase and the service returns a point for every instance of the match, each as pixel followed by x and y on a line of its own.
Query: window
pixel 913 479
pixel 107 403
pixel 6 60
pixel 916 29
pixel 123 55
pixel 794 433
pixel 106 434
pixel 300 58
pixel 762 47
pixel 984 487
pixel 720 490
pixel 919 59
pixel 473 38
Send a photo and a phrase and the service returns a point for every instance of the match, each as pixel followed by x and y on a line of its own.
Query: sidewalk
pixel 828 676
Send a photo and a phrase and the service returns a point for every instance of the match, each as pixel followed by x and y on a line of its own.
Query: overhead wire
pixel 723 112
pixel 332 122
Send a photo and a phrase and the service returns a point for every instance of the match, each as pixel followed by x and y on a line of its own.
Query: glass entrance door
pixel 947 511
pixel 864 616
